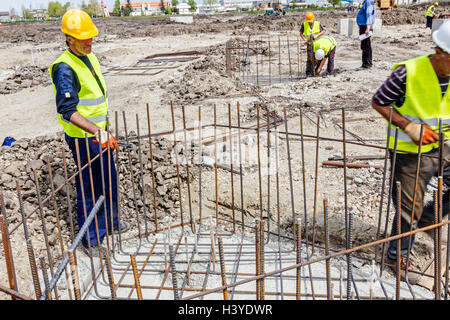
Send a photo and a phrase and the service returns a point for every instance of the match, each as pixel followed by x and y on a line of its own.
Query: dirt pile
pixel 18 162
pixel 166 179
pixel 204 78
pixel 23 77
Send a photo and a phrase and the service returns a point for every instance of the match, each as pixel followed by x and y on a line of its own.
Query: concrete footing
pixel 239 265
pixel 183 19
pixel 350 28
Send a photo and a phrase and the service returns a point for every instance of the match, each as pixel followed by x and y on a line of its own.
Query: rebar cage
pixel 264 61
pixel 214 226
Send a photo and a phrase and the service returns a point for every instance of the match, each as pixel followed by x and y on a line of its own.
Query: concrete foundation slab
pixel 194 255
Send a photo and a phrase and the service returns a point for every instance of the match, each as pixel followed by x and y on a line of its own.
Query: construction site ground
pixel 27 103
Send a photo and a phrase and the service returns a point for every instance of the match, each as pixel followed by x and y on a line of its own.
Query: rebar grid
pixel 263 61
pixel 138 266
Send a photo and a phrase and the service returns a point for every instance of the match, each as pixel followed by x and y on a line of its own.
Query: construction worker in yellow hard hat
pixel 309 31
pixel 430 15
pixel 82 107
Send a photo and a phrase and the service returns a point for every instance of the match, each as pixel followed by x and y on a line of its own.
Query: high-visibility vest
pixel 424 103
pixel 308 31
pixel 430 11
pixel 327 43
pixel 93 104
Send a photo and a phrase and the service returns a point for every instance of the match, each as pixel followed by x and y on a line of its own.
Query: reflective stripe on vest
pixel 327 43
pixel 308 31
pixel 91 102
pixel 92 119
pixel 92 105
pixel 430 11
pixel 423 103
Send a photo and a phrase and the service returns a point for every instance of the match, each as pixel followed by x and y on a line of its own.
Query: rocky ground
pixel 27 108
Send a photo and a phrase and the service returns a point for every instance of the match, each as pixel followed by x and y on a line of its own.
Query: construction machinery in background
pixel 274 7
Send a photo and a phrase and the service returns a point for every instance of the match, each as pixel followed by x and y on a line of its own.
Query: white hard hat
pixel 320 53
pixel 441 36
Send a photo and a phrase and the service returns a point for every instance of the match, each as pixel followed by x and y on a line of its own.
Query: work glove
pixel 413 131
pixel 102 135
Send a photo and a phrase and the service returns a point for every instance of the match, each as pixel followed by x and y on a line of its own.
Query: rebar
pixel 7 248
pixel 30 251
pixel 174 273
pixel 399 231
pixel 327 245
pixel 45 277
pixel 223 273
pixel 136 277
pixel 299 259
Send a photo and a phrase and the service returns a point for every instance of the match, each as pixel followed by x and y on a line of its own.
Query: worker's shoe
pixel 414 275
pixel 93 251
pixel 122 226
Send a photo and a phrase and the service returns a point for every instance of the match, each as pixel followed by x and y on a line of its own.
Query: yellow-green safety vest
pixel 308 31
pixel 327 43
pixel 424 103
pixel 93 104
pixel 430 11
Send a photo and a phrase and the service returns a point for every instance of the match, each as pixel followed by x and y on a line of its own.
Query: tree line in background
pixel 57 9
pixel 126 10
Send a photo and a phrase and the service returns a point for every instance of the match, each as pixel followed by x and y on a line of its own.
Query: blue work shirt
pixel 366 15
pixel 67 87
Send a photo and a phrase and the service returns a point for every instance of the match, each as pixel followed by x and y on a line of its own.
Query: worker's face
pixel 443 63
pixel 80 47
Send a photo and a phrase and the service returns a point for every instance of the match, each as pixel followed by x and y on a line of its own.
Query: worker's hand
pixel 367 31
pixel 413 130
pixel 102 135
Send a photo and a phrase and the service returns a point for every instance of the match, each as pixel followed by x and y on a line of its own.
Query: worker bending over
pixel 310 30
pixel 430 15
pixel 82 106
pixel 417 91
pixel 324 48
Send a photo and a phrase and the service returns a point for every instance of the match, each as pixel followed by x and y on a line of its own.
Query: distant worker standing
pixel 418 92
pixel 82 106
pixel 324 49
pixel 309 31
pixel 430 15
pixel 365 20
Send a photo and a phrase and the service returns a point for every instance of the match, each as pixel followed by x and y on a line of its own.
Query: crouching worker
pixel 324 48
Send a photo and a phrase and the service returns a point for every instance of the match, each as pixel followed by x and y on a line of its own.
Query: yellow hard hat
pixel 436 3
pixel 309 17
pixel 78 24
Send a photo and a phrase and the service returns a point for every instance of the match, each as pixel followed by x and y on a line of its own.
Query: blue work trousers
pixel 97 189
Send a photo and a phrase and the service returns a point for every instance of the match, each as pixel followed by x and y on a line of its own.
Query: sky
pixel 6 5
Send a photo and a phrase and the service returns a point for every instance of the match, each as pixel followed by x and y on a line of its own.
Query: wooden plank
pixel 428 280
